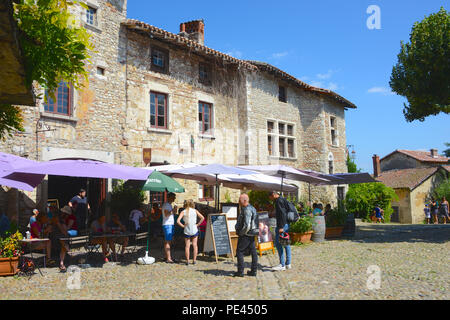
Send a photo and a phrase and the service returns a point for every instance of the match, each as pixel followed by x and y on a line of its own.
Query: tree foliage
pixel 55 46
pixel 443 190
pixel 422 71
pixel 446 152
pixel 351 165
pixel 125 198
pixel 10 120
pixel 362 198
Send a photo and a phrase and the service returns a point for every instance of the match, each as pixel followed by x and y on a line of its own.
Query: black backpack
pixel 292 214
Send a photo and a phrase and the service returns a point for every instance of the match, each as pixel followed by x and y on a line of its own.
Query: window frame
pixel 333 130
pixel 203 187
pixel 211 117
pixel 165 54
pixel 282 97
pixel 208 79
pixel 166 110
pixel 55 104
pixel 94 16
pixel 276 136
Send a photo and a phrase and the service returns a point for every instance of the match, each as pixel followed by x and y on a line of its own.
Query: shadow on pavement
pixel 388 233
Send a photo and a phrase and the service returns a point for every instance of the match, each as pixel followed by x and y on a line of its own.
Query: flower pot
pixel 9 266
pixel 333 232
pixel 301 237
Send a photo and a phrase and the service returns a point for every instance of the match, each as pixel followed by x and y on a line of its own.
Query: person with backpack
pixel 247 227
pixel 285 213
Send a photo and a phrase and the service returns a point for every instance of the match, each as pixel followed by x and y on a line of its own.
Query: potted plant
pixel 334 222
pixel 10 250
pixel 301 230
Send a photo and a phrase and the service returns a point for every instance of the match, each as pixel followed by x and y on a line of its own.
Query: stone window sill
pixel 92 28
pixel 59 117
pixel 206 136
pixel 156 130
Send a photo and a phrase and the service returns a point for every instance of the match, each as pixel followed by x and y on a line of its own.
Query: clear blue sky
pixel 326 44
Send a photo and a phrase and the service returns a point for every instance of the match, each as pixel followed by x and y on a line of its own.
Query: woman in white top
pixel 190 226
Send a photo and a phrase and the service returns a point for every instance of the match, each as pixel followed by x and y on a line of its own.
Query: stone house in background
pixel 152 89
pixel 413 175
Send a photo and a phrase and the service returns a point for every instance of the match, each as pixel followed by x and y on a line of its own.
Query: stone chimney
pixel 376 166
pixel 434 153
pixel 193 30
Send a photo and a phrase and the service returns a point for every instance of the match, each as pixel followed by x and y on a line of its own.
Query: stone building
pixel 413 175
pixel 150 88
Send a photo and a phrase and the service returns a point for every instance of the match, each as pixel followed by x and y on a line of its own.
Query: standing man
pixel 80 205
pixel 246 228
pixel 168 224
pixel 281 210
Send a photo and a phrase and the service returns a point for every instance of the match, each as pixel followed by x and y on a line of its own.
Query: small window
pixel 205 123
pixel 270 126
pixel 291 153
pixel 270 145
pixel 282 148
pixel 62 105
pixel 160 60
pixel 332 122
pixel 282 94
pixel 100 71
pixel 205 192
pixel 281 128
pixel 333 137
pixel 158 110
pixel 91 16
pixel 290 130
pixel 340 193
pixel 204 74
pixel 330 167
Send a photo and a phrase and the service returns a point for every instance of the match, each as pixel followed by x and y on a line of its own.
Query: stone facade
pixel 110 118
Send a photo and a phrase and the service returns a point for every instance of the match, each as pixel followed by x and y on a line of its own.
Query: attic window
pixel 204 73
pixel 282 94
pixel 160 60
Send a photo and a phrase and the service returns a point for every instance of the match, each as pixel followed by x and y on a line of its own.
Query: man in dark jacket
pixel 281 207
pixel 246 228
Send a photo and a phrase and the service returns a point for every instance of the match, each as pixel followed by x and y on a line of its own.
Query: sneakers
pixel 251 273
pixel 288 266
pixel 238 274
pixel 279 268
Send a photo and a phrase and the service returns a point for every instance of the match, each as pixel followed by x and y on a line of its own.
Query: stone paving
pixel 413 261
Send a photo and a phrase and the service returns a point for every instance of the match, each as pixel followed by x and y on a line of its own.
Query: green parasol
pixel 157 182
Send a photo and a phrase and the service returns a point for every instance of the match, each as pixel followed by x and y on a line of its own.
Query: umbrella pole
pixel 282 176
pixel 309 191
pixel 217 195
pixel 87 204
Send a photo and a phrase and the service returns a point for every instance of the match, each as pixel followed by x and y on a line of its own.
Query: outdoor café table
pixel 111 235
pixel 31 241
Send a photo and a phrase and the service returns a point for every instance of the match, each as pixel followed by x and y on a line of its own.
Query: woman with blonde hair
pixel 190 226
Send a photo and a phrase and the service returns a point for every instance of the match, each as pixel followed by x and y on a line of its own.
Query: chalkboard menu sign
pixel 217 236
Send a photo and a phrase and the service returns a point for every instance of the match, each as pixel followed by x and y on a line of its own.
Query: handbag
pixel 284 239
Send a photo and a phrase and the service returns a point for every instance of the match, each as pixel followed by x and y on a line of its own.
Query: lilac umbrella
pixel 9 177
pixel 285 172
pixel 87 169
pixel 208 173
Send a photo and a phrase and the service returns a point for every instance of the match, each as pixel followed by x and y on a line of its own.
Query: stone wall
pixel 310 116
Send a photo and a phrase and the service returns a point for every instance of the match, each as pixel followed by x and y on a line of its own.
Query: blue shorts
pixel 168 232
pixel 193 236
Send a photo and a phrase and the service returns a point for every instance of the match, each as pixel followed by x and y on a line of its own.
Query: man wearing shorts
pixel 168 224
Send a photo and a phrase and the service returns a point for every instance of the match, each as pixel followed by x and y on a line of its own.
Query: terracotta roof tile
pixel 406 178
pixel 251 65
pixel 423 156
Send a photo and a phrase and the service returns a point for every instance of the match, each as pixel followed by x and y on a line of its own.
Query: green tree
pixel 351 165
pixel 55 48
pixel 362 198
pixel 10 120
pixel 421 74
pixel 443 190
pixel 447 151
pixel 124 198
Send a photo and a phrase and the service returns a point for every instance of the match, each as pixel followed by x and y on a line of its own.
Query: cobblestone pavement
pixel 414 263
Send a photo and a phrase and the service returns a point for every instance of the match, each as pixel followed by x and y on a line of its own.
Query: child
pixel 427 213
